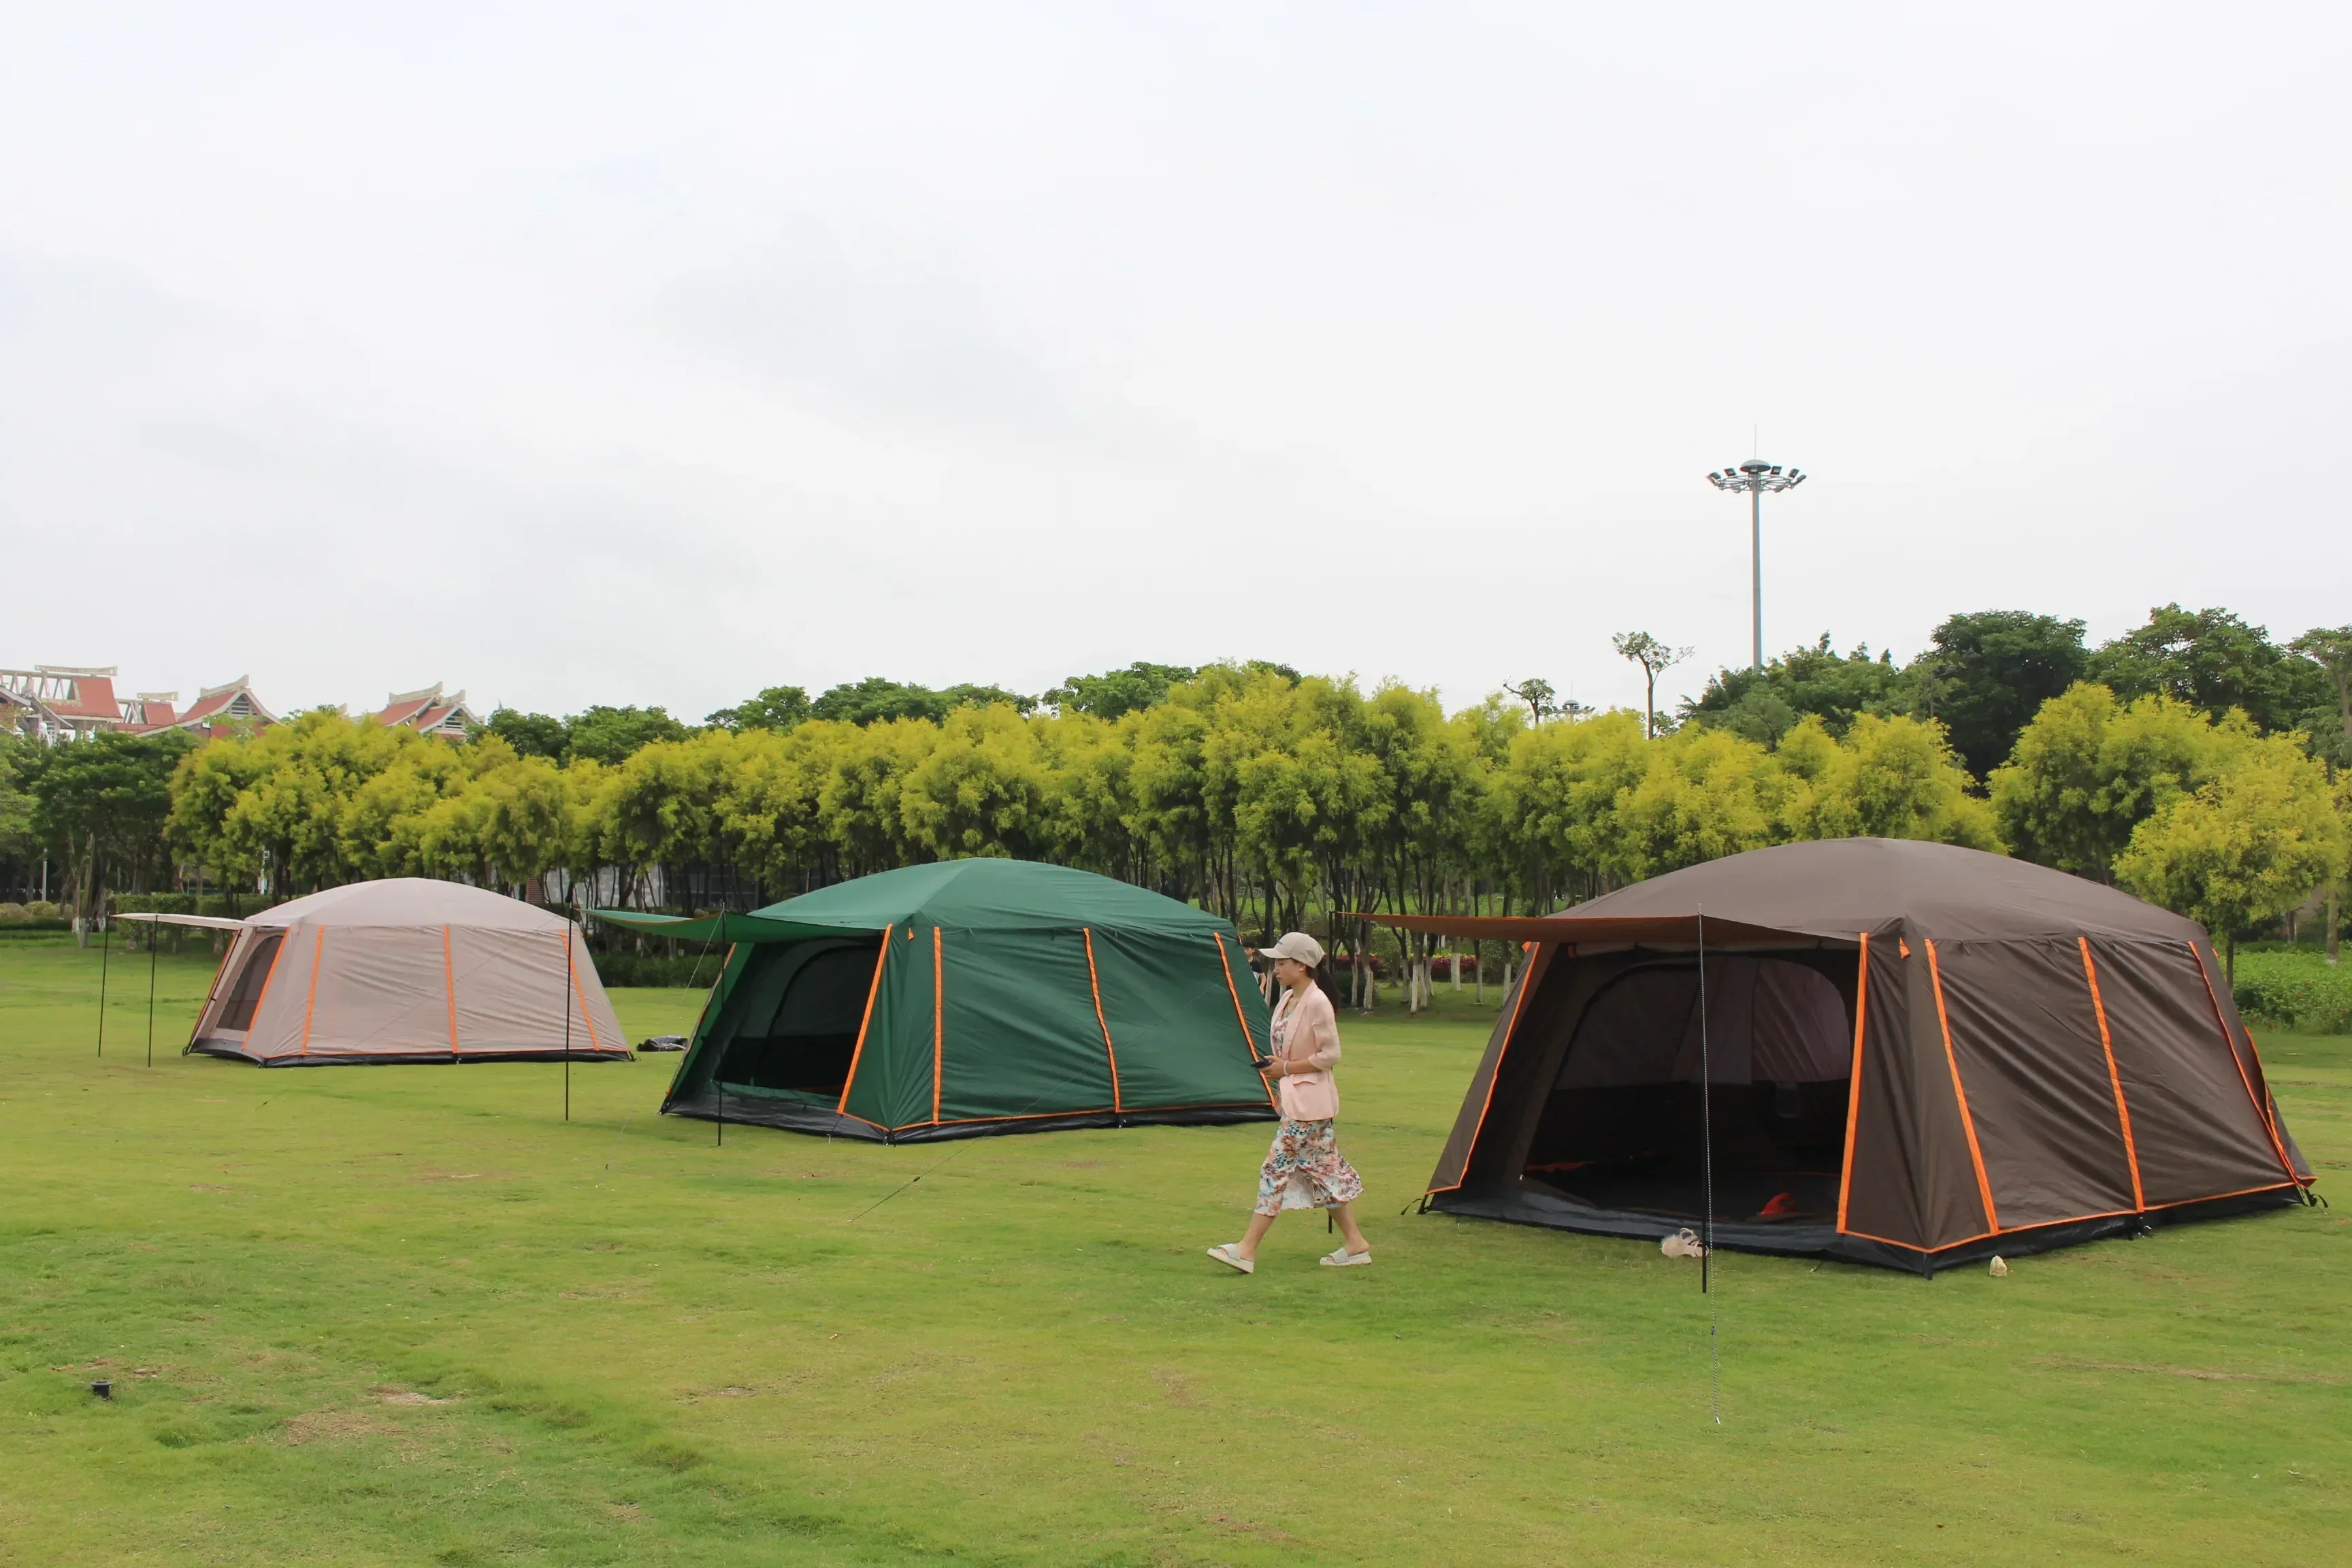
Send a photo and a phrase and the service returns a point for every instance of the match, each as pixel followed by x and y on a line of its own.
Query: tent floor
pixel 796 1116
pixel 1679 1196
pixel 233 1053
pixel 1531 1202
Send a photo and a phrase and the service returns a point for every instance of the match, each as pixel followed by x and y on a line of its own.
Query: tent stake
pixel 568 983
pixel 105 945
pixel 153 931
pixel 1707 1182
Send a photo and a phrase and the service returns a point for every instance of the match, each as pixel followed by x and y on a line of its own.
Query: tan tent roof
pixel 408 970
pixel 410 901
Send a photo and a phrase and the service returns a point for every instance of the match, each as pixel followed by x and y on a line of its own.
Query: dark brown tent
pixel 1917 1056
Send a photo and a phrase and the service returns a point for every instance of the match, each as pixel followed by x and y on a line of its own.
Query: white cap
pixel 1298 947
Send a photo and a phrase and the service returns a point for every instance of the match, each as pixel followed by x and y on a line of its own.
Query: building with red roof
pixel 57 702
pixel 430 711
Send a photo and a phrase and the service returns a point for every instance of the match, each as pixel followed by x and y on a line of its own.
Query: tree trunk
pixel 2229 961
pixel 85 890
pixel 2335 899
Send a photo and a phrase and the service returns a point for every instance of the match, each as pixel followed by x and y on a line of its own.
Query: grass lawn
pixel 408 1315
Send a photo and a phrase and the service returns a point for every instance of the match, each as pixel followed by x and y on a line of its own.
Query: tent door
pixel 791 1025
pixel 244 995
pixel 1621 1128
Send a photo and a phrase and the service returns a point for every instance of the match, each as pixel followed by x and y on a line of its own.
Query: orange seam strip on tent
pixel 1959 1092
pixel 1028 1116
pixel 1527 984
pixel 2106 1043
pixel 1854 1087
pixel 1915 1246
pixel 873 989
pixel 318 951
pixel 2013 1230
pixel 449 978
pixel 2234 1193
pixel 2267 1104
pixel 1239 1017
pixel 1094 983
pixel 1082 1111
pixel 2079 1218
pixel 2229 1044
pixel 571 972
pixel 939 1015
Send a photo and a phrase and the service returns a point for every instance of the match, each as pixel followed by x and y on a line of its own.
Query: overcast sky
pixel 584 353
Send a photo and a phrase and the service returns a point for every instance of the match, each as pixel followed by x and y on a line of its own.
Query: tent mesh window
pixel 245 994
pixel 1621 1128
pixel 790 1024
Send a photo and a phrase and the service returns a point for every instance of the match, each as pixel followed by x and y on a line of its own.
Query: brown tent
pixel 408 970
pixel 1917 1056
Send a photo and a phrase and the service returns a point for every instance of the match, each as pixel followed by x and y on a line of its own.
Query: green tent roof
pixel 975 895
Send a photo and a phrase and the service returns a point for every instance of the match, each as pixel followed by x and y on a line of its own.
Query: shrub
pixel 2296 989
pixel 617 969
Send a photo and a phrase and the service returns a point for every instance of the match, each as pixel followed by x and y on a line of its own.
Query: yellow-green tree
pixel 2244 848
pixel 1890 778
pixel 2089 770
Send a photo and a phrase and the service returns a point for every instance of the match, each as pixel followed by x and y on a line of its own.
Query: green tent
pixel 968 998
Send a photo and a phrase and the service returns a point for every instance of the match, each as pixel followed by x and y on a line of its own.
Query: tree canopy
pixel 2214 661
pixel 775 708
pixel 1988 674
pixel 1118 691
pixel 875 700
pixel 1816 680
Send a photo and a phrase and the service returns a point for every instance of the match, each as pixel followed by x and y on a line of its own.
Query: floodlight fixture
pixel 1755 477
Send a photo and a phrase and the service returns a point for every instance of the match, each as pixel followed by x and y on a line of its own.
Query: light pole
pixel 1756 476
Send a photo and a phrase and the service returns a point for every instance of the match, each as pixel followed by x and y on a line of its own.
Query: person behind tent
pixel 1304 1169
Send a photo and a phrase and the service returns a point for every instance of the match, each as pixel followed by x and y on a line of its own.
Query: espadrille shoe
pixel 1230 1254
pixel 1343 1258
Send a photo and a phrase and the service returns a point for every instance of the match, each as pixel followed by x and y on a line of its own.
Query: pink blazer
pixel 1307 1033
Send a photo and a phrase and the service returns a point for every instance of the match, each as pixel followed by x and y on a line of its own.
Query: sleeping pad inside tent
pixel 1914 1055
pixel 971 997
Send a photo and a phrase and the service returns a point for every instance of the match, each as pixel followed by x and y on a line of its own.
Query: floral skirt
pixel 1305 1169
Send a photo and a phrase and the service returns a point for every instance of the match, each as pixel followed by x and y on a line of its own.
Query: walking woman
pixel 1304 1169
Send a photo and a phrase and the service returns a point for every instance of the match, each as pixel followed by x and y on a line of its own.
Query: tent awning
pixel 1681 930
pixel 724 927
pixel 210 922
